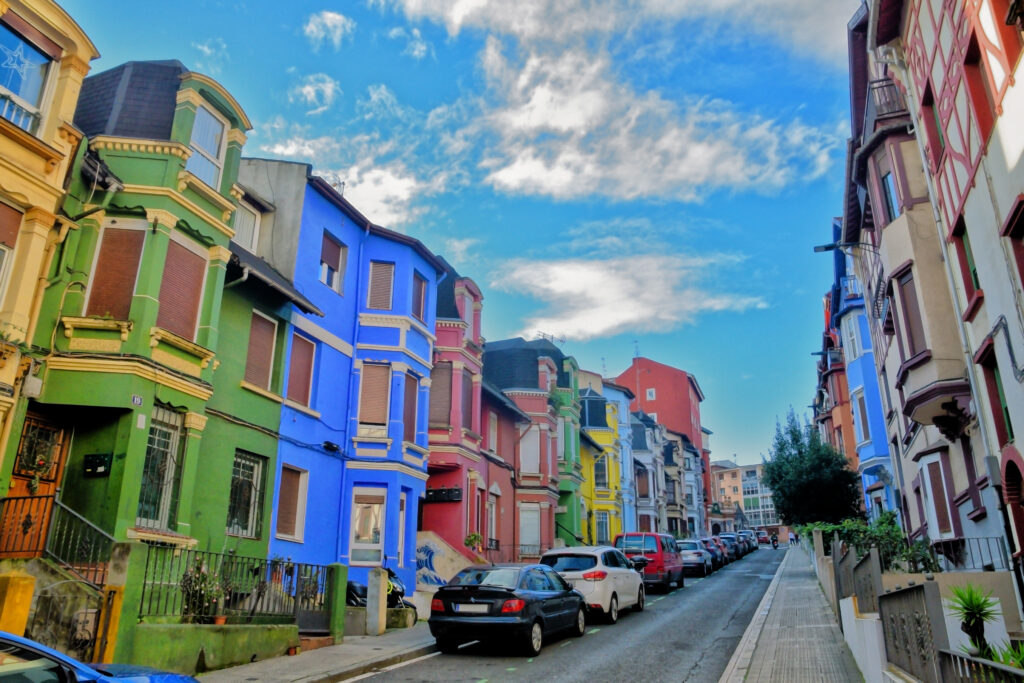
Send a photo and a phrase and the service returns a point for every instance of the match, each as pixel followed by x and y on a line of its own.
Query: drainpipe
pixel 245 276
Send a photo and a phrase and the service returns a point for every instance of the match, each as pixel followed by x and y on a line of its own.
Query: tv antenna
pixel 549 337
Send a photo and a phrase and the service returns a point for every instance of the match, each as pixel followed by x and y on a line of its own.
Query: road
pixel 687 635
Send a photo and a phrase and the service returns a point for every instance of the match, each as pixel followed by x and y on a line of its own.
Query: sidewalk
pixel 355 656
pixel 794 635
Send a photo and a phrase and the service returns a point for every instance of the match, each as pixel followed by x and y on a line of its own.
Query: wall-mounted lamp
pixel 843 245
pixel 331 447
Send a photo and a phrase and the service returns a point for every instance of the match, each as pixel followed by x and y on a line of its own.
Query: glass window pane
pixel 22 67
pixel 245 227
pixel 207 132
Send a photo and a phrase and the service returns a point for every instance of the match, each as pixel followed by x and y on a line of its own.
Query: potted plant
pixel 475 542
pixel 202 592
pixel 974 608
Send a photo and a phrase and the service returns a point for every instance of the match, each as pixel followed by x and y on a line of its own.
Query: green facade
pixel 569 522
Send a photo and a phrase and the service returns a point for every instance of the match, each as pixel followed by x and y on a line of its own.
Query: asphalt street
pixel 688 634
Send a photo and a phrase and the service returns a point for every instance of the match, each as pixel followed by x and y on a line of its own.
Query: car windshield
pixel 505 577
pixel 646 543
pixel 569 563
pixel 688 545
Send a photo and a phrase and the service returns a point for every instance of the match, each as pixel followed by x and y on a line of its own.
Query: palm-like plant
pixel 974 607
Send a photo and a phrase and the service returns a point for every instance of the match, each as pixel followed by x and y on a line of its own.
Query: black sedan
pixel 517 603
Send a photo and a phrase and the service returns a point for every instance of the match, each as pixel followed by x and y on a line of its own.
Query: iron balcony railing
pixel 24 521
pixel 884 100
pixel 19 115
pixel 851 287
pixel 973 554
pixel 493 544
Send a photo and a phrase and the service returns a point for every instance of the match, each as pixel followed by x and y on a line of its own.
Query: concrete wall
pixel 999 583
pixel 193 648
pixel 863 633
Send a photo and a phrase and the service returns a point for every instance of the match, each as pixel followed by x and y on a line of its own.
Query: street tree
pixel 809 479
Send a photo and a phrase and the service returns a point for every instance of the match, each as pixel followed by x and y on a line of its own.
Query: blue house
pixel 353 436
pixel 849 318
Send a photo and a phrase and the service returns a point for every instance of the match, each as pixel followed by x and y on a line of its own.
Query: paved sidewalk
pixel 794 635
pixel 355 656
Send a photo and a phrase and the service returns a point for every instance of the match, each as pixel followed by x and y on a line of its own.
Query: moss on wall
pixel 192 648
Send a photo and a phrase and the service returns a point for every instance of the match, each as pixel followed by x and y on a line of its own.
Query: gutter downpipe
pixel 889 55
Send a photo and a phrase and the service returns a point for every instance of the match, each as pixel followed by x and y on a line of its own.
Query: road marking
pixel 568 642
pixel 593 630
pixel 511 668
pixel 376 672
pixel 530 660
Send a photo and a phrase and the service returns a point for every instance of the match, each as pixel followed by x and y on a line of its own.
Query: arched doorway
pixel 716 529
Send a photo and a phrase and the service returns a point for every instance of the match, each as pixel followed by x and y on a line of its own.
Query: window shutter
pixel 409 414
pixel 181 291
pixel 467 400
pixel 10 224
pixel 330 252
pixel 288 501
pixel 642 487
pixel 300 372
pixel 381 279
pixel 938 497
pixel 373 399
pixel 915 327
pixel 418 298
pixel 260 357
pixel 441 393
pixel 113 278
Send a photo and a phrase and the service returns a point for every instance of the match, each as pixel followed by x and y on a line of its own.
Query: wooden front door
pixel 38 468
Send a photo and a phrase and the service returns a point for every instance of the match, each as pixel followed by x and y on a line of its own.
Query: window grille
pixel 161 472
pixel 245 506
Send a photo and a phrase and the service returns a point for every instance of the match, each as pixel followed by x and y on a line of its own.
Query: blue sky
pixel 620 173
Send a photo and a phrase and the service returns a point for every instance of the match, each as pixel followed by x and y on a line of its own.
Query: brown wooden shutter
pixel 938 497
pixel 467 399
pixel 409 414
pixel 113 278
pixel 288 501
pixel 10 225
pixel 912 312
pixel 642 486
pixel 418 299
pixel 260 358
pixel 373 398
pixel 381 280
pixel 181 291
pixel 300 372
pixel 330 252
pixel 441 393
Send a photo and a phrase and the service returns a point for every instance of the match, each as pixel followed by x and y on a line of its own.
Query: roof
pixel 265 273
pixel 512 363
pixel 446 307
pixel 134 100
pixel 504 401
pixel 584 436
pixel 626 390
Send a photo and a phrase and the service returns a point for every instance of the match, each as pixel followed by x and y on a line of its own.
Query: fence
pixel 867 581
pixel 983 553
pixel 23 525
pixel 960 668
pixel 79 545
pixel 199 586
pixel 914 629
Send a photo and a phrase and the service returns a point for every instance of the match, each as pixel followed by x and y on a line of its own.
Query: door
pixel 536 583
pixel 566 605
pixel 673 561
pixel 38 468
pixel 617 575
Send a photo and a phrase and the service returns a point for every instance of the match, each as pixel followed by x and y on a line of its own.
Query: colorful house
pixel 353 445
pixel 618 398
pixel 649 472
pixel 601 459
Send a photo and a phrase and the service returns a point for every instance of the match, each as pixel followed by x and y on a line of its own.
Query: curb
pixel 367 667
pixel 736 670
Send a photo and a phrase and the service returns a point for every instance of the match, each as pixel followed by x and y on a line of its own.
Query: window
pixel 986 358
pixel 401 529
pixel 259 359
pixel 884 381
pixel 161 471
pixel 601 471
pixel 467 399
pixel 650 394
pixel 735 489
pixel 965 257
pixel 935 145
pixel 10 225
pixel 332 262
pixel 113 275
pixel 557 441
pixel 367 546
pixel 976 77
pixel 381 281
pixel 181 290
pixel 245 503
pixel 937 494
pixel 861 418
pixel 207 145
pixel 419 297
pixel 492 431
pixel 409 412
pixel 603 535
pixel 892 199
pixel 23 74
pixel 643 486
pixel 529 529
pixel 441 393
pixel 911 314
pixel 492 517
pixel 529 451
pixel 291 503
pixel 300 373
pixel 374 394
pixel 247 226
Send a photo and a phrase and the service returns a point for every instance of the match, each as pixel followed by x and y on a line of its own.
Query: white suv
pixel 604 576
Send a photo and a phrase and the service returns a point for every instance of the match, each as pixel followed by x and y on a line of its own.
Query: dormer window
pixel 247 226
pixel 23 72
pixel 207 145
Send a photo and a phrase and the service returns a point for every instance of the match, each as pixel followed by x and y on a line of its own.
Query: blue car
pixel 25 661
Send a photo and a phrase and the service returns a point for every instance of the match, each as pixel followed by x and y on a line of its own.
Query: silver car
pixel 696 558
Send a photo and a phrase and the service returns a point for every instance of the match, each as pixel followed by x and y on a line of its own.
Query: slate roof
pixel 512 363
pixel 446 307
pixel 135 100
pixel 639 436
pixel 265 273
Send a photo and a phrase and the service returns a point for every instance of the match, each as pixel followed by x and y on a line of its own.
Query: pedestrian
pixel 792 538
pixel 798 538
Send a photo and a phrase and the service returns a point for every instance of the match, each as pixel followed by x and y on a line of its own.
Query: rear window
pixel 689 545
pixel 504 577
pixel 646 543
pixel 569 563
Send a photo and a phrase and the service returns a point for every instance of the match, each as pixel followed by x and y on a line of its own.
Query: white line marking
pixel 370 674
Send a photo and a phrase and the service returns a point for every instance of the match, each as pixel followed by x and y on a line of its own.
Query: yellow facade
pixel 602 502
pixel 38 142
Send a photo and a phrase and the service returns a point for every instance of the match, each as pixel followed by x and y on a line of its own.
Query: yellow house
pixel 44 56
pixel 599 455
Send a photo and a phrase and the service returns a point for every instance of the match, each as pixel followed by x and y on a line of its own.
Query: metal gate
pixel 69 617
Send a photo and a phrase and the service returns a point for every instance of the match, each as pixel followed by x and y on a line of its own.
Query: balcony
pixel 851 287
pixel 884 101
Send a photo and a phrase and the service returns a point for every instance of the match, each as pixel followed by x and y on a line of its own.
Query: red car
pixel 762 537
pixel 665 563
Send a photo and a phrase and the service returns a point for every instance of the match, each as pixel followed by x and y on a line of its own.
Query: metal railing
pixel 961 668
pixel 197 586
pixel 884 100
pixel 23 525
pixel 867 581
pixel 844 567
pixel 851 287
pixel 914 629
pixel 79 545
pixel 20 116
pixel 493 544
pixel 974 554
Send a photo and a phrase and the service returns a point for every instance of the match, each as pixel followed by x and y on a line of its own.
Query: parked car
pixel 664 563
pixel 695 557
pixel 718 559
pixel 763 538
pixel 735 552
pixel 24 660
pixel 750 538
pixel 606 578
pixel 517 604
pixel 724 548
pixel 740 543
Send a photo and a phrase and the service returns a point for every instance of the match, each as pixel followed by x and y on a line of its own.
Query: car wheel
pixel 705 569
pixel 613 610
pixel 639 606
pixel 534 640
pixel 581 624
pixel 447 646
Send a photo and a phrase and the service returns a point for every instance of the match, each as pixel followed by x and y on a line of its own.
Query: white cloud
pixel 589 298
pixel 380 103
pixel 214 53
pixel 415 46
pixel 328 26
pixel 387 192
pixel 317 91
pixel 458 250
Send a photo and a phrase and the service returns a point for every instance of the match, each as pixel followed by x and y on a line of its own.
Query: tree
pixel 808 478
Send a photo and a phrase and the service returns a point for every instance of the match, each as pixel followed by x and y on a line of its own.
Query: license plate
pixel 471 609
